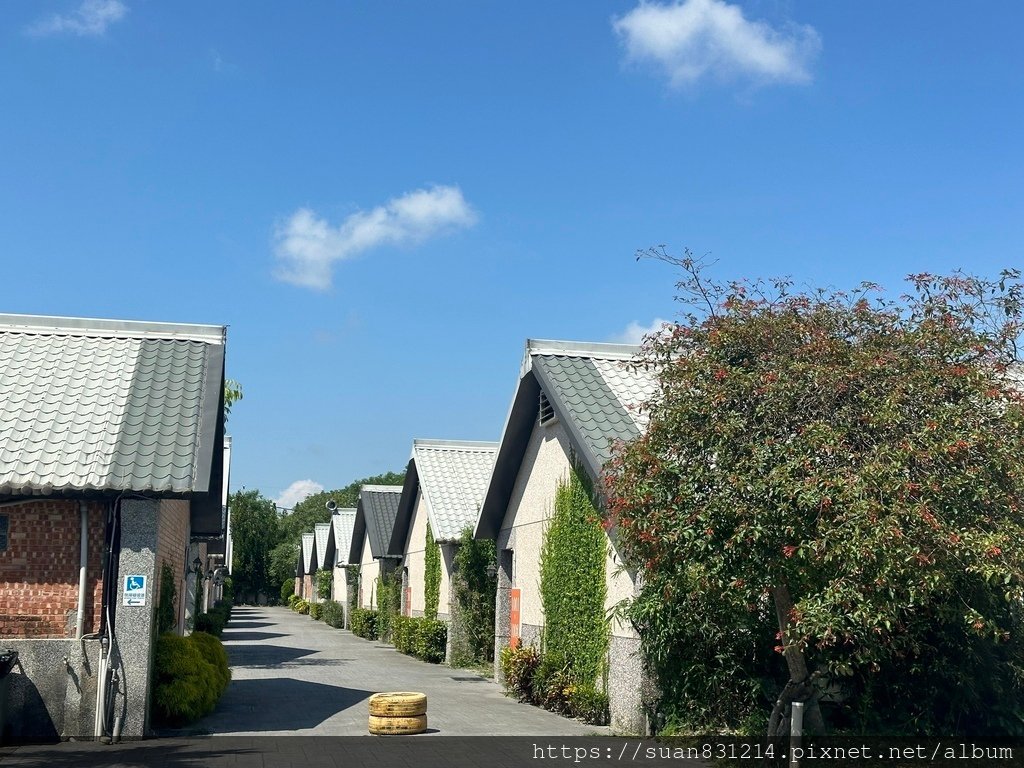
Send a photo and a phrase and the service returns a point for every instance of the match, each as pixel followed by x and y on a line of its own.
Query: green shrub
pixel 288 590
pixel 589 704
pixel 389 602
pixel 301 607
pixel 222 609
pixel 210 623
pixel 363 623
pixel 213 651
pixel 186 685
pixel 334 614
pixel 324 580
pixel 431 638
pixel 292 599
pixel 553 682
pixel 518 666
pixel 316 611
pixel 403 634
pixel 166 614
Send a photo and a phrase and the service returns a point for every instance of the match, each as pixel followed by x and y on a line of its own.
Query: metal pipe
pixel 83 509
pixel 101 691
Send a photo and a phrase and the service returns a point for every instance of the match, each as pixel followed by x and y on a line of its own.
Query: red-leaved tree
pixel 834 481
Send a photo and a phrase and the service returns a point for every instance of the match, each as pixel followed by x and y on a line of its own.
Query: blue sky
pixel 383 201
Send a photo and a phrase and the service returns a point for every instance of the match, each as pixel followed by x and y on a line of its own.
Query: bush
pixel 301 607
pixel 316 611
pixel 518 666
pixel 589 704
pixel 403 634
pixel 186 685
pixel 431 638
pixel 292 599
pixel 363 623
pixel 334 614
pixel 213 651
pixel 288 590
pixel 210 623
pixel 553 682
pixel 324 581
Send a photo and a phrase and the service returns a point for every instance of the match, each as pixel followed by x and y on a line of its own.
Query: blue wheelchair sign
pixel 135 590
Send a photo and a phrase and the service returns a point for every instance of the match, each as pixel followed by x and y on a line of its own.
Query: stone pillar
pixel 502 630
pixel 135 625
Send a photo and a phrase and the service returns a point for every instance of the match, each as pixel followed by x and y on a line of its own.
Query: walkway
pixel 293 675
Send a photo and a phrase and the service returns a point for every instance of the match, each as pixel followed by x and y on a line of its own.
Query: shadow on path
pixel 284 704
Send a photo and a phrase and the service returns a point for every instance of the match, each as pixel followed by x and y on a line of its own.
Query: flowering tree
pixel 843 472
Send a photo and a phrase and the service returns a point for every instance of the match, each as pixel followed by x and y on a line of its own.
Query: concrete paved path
pixel 293 675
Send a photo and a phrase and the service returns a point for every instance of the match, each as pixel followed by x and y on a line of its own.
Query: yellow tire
pixel 399 704
pixel 397 726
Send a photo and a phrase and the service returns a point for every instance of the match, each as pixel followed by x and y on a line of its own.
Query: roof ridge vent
pixel 546 413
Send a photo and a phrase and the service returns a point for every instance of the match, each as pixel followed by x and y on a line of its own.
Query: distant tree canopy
pixel 254 533
pixel 838 476
pixel 289 527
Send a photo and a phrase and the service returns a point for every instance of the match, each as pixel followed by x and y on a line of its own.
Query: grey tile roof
pixel 108 405
pixel 343 521
pixel 453 477
pixel 595 394
pixel 324 533
pixel 379 506
pixel 308 552
pixel 600 396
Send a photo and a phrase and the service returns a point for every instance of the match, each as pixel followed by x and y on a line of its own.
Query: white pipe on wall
pixel 83 509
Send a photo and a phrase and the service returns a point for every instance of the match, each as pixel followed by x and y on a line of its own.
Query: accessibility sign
pixel 135 590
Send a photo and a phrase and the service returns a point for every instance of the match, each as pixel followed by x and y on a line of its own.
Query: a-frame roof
pixel 592 389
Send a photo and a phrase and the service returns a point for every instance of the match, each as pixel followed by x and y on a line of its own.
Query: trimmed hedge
pixel 213 623
pixel 363 623
pixel 189 676
pixel 420 637
pixel 316 611
pixel 334 614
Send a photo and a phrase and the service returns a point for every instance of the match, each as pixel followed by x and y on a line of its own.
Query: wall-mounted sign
pixel 134 590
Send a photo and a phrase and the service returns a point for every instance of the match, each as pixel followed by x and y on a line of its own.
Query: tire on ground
pixel 397 726
pixel 398 704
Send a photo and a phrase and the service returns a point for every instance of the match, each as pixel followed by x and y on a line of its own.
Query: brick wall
pixel 39 569
pixel 172 548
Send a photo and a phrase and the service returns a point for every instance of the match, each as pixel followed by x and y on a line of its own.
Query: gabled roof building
pixel 444 487
pixel 572 403
pixel 111 463
pixel 372 529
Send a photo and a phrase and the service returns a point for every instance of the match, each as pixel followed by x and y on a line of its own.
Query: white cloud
pixel 697 38
pixel 634 333
pixel 90 19
pixel 307 246
pixel 296 492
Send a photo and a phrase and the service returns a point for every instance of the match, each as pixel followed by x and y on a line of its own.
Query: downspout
pixel 83 509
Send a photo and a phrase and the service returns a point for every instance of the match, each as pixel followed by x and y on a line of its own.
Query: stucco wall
pixel 415 554
pixel 369 570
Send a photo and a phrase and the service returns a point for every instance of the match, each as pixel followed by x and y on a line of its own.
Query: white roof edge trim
pixel 52 325
pixel 488 445
pixel 381 488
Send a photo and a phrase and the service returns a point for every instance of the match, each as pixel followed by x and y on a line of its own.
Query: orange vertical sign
pixel 513 618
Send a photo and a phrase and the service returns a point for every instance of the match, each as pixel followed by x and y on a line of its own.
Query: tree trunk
pixel 801 683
